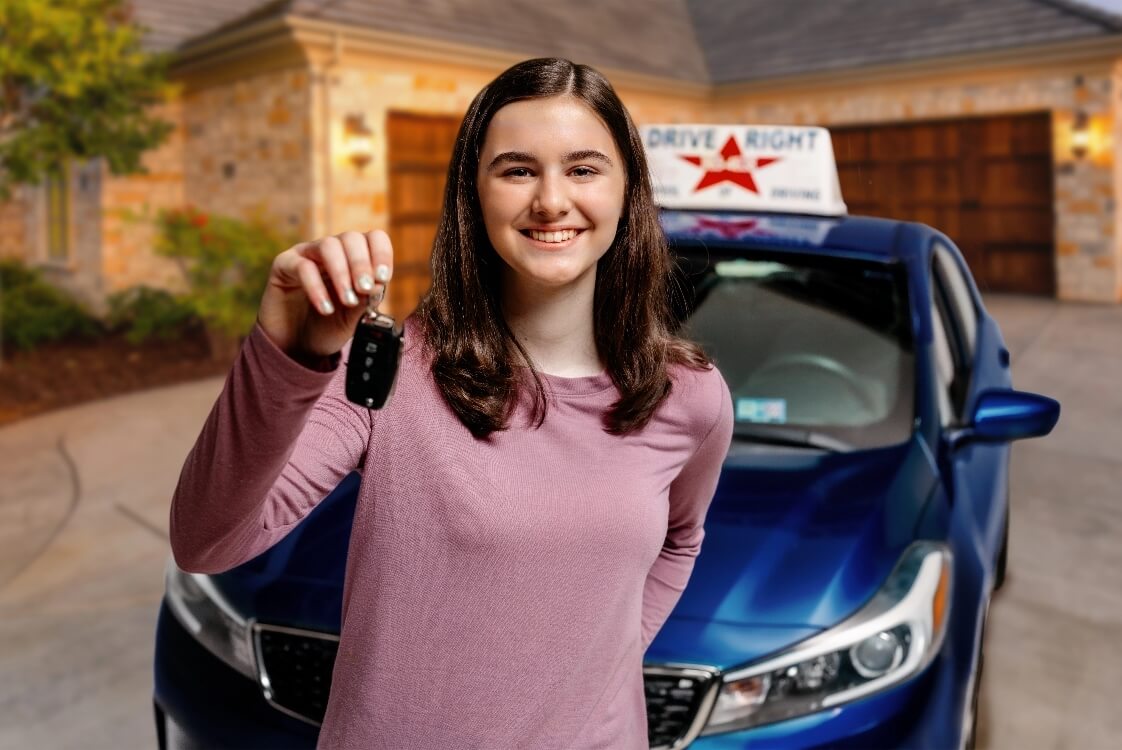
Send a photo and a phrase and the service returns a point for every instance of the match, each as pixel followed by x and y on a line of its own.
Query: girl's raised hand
pixel 318 290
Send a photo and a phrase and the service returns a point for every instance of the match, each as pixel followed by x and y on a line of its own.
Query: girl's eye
pixel 517 172
pixel 583 172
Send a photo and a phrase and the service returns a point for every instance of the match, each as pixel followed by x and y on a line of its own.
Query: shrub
pixel 33 312
pixel 226 261
pixel 143 312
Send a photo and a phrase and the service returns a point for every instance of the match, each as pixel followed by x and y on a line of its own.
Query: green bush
pixel 226 261
pixel 33 312
pixel 143 312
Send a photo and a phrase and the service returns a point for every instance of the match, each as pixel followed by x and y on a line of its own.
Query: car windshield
pixel 817 350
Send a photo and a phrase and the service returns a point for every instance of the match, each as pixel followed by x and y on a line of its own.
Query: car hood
pixel 720 645
pixel 795 540
pixel 804 538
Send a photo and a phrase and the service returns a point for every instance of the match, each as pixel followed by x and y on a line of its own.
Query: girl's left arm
pixel 691 492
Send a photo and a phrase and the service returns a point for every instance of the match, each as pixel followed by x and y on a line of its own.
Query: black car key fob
pixel 373 360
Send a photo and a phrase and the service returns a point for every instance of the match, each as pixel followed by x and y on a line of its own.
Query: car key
pixel 373 361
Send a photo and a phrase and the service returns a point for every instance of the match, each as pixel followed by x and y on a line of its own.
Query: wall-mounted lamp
pixel 1080 134
pixel 358 134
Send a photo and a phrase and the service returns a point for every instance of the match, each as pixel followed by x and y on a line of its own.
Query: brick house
pixel 995 120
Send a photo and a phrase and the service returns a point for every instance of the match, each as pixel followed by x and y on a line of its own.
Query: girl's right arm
pixel 281 434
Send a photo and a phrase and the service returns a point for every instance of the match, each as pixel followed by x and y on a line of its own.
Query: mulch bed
pixel 62 374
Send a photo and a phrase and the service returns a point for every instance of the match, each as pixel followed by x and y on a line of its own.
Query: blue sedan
pixel 856 538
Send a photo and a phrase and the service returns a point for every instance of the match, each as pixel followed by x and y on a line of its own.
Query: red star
pixel 727 168
pixel 728 229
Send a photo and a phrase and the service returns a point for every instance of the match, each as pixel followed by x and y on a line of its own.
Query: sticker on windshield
pixel 767 410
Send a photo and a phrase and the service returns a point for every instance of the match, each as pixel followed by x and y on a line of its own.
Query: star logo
pixel 731 166
pixel 728 230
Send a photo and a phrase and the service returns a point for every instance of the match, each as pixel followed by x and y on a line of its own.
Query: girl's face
pixel 551 187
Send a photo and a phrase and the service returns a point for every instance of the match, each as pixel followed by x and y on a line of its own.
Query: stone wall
pixel 1088 241
pixel 248 148
pixel 130 205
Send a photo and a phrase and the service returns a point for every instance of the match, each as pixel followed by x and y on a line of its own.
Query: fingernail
pixel 382 273
pixel 365 283
pixel 327 307
pixel 350 297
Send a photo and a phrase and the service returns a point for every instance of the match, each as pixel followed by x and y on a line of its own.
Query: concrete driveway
pixel 84 499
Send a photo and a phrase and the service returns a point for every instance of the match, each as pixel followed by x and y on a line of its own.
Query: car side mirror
pixel 1001 415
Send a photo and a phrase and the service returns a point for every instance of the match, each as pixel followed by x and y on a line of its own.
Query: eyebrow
pixel 521 156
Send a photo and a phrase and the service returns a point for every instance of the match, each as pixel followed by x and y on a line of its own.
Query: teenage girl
pixel 533 494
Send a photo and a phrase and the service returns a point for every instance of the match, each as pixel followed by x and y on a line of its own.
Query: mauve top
pixel 499 593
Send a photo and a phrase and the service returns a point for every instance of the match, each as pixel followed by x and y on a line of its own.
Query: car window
pixel 810 345
pixel 959 296
pixel 956 340
pixel 944 364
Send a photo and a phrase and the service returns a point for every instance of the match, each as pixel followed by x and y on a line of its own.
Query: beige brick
pixel 279 114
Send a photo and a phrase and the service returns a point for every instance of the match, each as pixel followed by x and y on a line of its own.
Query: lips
pixel 551 237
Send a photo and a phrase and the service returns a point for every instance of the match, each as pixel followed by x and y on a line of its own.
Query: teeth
pixel 562 236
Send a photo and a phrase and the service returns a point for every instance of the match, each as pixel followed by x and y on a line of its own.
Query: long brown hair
pixel 461 316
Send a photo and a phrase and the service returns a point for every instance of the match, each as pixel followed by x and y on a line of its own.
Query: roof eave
pixel 318 34
pixel 1102 51
pixel 325 40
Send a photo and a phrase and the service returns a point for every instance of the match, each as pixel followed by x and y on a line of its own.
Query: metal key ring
pixel 372 302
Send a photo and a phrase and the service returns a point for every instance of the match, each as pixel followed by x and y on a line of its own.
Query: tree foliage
pixel 75 82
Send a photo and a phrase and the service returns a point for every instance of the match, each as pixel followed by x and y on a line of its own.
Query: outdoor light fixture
pixel 1080 135
pixel 360 150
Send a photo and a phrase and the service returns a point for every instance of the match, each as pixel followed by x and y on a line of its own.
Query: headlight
pixel 206 615
pixel 890 639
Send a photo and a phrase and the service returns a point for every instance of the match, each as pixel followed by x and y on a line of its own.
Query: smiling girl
pixel 532 498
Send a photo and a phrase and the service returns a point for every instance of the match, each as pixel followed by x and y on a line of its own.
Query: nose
pixel 551 198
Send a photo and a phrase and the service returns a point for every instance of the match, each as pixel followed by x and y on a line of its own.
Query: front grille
pixel 295 672
pixel 678 700
pixel 294 667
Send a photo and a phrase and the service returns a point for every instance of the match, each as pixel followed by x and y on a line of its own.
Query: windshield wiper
pixel 774 435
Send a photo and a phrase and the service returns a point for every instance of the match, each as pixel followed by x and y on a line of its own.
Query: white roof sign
pixel 779 168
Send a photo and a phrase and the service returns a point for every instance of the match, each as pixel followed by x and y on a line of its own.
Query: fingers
pixel 381 253
pixel 347 264
pixel 312 281
pixel 333 258
pixel 358 260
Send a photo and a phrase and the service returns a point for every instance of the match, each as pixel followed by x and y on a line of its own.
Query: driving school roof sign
pixel 778 168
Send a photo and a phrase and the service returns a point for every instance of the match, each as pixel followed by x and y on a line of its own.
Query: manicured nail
pixel 327 307
pixel 365 283
pixel 382 273
pixel 350 297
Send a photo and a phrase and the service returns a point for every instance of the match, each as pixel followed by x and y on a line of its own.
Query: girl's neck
pixel 555 325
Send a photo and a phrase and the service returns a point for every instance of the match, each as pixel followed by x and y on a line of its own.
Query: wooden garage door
pixel 985 182
pixel 419 148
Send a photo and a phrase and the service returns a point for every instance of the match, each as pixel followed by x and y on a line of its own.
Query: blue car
pixel 857 535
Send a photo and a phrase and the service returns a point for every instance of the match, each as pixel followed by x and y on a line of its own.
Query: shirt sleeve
pixel 279 438
pixel 691 492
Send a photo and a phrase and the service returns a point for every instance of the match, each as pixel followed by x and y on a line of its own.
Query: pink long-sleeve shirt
pixel 499 593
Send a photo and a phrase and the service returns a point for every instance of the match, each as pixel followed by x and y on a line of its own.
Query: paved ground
pixel 83 516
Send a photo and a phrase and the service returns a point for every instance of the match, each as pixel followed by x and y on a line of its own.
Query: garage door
pixel 419 149
pixel 985 182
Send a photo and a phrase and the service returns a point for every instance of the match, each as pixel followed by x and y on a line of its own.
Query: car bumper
pixel 200 702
